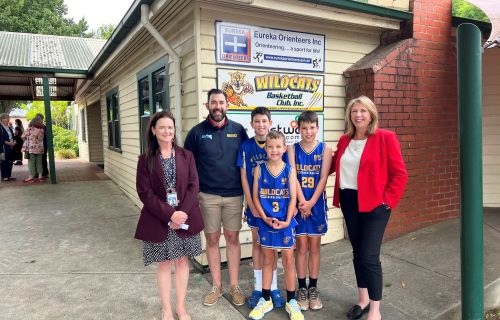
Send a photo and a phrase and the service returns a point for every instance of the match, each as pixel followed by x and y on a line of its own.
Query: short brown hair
pixel 372 109
pixel 276 135
pixel 308 116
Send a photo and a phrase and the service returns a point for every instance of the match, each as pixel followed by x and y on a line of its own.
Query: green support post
pixel 470 116
pixel 48 122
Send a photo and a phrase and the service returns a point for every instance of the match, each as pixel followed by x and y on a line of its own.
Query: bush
pixel 65 139
pixel 65 154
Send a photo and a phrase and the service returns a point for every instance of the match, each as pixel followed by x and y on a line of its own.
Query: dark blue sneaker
pixel 278 300
pixel 254 299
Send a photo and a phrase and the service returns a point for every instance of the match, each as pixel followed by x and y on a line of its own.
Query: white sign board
pixel 284 122
pixel 247 89
pixel 254 46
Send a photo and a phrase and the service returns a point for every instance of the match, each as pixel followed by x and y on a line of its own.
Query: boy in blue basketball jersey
pixel 274 196
pixel 250 155
pixel 311 159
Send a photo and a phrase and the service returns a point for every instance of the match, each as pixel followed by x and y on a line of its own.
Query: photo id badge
pixel 172 199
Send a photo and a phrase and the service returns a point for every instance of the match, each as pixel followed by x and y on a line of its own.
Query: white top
pixel 349 164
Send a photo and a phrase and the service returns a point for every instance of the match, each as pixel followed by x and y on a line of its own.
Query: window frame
pixel 114 143
pixel 148 73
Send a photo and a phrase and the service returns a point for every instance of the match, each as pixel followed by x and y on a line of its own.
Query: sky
pixel 98 12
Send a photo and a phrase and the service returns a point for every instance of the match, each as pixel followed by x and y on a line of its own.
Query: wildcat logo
pixel 236 88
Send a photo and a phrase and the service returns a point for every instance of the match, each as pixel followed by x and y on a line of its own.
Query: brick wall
pixel 413 83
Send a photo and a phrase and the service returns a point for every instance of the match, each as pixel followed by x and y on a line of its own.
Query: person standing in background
pixel 18 132
pixel 7 145
pixel 45 172
pixel 34 148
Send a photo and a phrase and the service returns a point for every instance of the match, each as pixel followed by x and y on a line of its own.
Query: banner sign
pixel 284 122
pixel 269 48
pixel 248 89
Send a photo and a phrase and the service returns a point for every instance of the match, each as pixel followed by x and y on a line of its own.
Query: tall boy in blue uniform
pixel 274 196
pixel 312 160
pixel 251 154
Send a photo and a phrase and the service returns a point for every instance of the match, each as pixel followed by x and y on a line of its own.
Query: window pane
pixel 160 85
pixel 159 80
pixel 114 99
pixel 108 107
pixel 159 103
pixel 117 134
pixel 110 134
pixel 144 96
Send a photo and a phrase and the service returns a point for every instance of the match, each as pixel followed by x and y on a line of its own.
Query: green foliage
pixel 104 31
pixel 59 111
pixel 464 9
pixel 65 154
pixel 6 106
pixel 65 139
pixel 40 16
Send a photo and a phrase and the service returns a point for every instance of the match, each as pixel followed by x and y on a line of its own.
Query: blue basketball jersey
pixel 274 192
pixel 308 166
pixel 250 155
pixel 274 196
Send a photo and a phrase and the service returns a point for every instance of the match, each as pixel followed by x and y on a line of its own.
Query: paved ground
pixel 66 171
pixel 68 253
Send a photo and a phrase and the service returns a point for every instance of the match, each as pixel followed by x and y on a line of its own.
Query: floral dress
pixel 173 247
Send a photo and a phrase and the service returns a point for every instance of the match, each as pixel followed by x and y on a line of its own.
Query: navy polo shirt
pixel 215 151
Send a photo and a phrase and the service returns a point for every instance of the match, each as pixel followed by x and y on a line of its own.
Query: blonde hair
pixel 372 109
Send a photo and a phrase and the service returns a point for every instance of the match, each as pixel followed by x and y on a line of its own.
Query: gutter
pixel 365 8
pixel 176 61
pixel 49 71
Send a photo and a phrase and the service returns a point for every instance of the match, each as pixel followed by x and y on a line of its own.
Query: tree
pixel 464 9
pixel 6 106
pixel 104 31
pixel 59 112
pixel 40 16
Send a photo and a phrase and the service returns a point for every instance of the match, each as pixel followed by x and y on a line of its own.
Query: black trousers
pixel 366 230
pixel 6 165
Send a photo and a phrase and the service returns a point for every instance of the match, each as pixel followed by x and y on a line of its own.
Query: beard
pixel 217 117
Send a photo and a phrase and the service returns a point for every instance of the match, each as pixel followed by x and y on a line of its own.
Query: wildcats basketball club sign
pixel 252 46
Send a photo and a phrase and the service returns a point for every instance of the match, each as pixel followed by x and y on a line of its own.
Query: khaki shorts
pixel 217 211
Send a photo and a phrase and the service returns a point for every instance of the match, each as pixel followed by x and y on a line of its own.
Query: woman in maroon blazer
pixel 170 221
pixel 370 180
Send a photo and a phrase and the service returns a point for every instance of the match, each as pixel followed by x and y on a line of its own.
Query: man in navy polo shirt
pixel 214 143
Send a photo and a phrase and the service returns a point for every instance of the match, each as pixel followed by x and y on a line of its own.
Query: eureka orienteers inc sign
pixel 253 46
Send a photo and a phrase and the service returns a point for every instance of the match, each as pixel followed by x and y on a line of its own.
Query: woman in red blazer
pixel 170 221
pixel 370 180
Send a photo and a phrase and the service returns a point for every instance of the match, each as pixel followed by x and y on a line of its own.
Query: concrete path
pixel 66 171
pixel 68 253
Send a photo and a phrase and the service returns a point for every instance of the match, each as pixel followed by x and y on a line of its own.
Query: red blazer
pixel 156 213
pixel 382 173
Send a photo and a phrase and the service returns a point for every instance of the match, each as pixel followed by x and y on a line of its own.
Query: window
pixel 113 118
pixel 84 129
pixel 152 86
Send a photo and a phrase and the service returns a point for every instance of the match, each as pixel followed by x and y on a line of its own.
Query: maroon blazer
pixel 156 213
pixel 382 173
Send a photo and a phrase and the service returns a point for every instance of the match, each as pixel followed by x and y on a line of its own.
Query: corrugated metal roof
pixel 47 51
